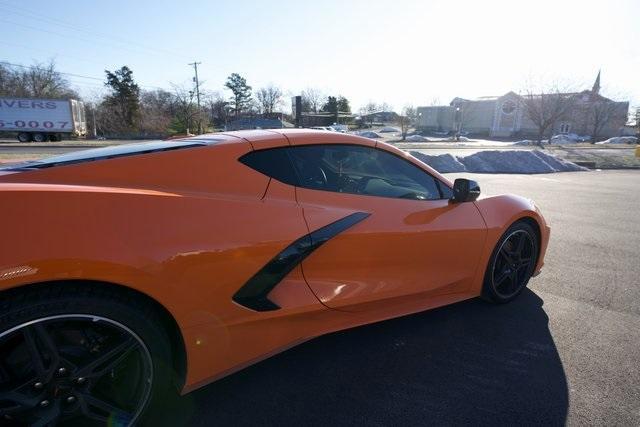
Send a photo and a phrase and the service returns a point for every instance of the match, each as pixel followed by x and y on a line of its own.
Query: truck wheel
pixel 53 137
pixel 39 137
pixel 24 137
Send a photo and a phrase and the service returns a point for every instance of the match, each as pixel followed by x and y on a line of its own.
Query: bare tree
pixel 313 99
pixel 368 110
pixel 269 99
pixel 40 80
pixel 546 107
pixel 218 108
pixel 465 112
pixel 156 111
pixel 385 106
pixel 602 112
pixel 186 114
pixel 406 120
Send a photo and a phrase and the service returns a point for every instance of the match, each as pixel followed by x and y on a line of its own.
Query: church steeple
pixel 596 85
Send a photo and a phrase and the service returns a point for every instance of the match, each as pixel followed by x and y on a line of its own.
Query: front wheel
pixel 511 264
pixel 79 358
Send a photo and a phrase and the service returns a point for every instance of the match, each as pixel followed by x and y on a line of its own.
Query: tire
pixel 39 137
pixel 73 326
pixel 54 137
pixel 24 137
pixel 511 264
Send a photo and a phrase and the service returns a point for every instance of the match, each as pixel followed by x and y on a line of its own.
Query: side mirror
pixel 465 190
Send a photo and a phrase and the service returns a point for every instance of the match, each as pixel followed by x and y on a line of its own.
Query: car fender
pixel 499 213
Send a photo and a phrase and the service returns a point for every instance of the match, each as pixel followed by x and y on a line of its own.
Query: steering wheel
pixel 316 177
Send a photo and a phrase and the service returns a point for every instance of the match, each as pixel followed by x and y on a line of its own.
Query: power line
pixel 124 44
pixel 30 67
pixel 52 55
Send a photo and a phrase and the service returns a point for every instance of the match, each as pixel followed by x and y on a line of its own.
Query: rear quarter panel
pixel 164 228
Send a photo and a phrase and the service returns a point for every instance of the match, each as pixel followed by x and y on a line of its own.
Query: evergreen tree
pixel 124 99
pixel 241 99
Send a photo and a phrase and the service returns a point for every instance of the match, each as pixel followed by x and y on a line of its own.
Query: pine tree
pixel 241 99
pixel 124 99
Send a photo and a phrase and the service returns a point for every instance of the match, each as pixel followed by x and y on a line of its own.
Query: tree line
pixel 128 110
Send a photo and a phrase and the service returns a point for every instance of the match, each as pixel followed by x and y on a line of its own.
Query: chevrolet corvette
pixel 130 271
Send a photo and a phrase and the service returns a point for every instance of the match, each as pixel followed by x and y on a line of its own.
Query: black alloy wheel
pixel 85 354
pixel 73 370
pixel 512 263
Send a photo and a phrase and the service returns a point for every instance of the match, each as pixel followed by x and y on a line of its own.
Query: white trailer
pixel 42 119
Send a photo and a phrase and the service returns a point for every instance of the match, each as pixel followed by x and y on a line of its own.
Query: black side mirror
pixel 465 190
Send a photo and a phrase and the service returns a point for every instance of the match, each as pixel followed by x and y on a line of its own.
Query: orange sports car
pixel 132 270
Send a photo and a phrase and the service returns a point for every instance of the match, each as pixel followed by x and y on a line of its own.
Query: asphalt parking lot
pixel 567 351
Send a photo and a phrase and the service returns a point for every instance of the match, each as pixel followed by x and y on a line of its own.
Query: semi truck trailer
pixel 41 120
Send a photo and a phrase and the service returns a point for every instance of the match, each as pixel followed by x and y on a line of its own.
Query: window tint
pixel 361 170
pixel 273 163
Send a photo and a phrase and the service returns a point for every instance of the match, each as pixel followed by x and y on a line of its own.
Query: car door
pixel 386 227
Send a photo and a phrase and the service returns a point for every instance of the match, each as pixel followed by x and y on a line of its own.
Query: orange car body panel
pixel 175 226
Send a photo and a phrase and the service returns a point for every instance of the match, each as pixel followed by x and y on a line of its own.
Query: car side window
pixel 362 170
pixel 272 162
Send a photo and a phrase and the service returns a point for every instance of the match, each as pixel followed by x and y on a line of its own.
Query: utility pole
pixel 93 119
pixel 195 79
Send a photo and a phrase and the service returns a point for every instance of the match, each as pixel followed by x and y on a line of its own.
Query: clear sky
pixel 400 51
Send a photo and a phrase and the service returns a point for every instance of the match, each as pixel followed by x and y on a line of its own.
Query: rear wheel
pixel 24 137
pixel 79 359
pixel 512 263
pixel 39 137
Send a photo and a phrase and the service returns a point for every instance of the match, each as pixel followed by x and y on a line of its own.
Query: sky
pixel 401 52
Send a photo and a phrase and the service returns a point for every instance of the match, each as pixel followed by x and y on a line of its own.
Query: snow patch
pixel 620 140
pixel 512 161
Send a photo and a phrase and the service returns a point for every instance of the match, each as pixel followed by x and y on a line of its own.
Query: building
pixel 244 123
pixel 380 117
pixel 508 116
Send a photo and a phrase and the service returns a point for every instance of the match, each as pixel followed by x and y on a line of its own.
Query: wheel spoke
pixel 21 402
pixel 506 255
pixel 33 334
pixel 109 360
pixel 50 417
pixel 520 245
pixel 501 278
pixel 100 410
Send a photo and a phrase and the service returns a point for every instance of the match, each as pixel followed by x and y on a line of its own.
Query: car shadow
pixel 471 362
